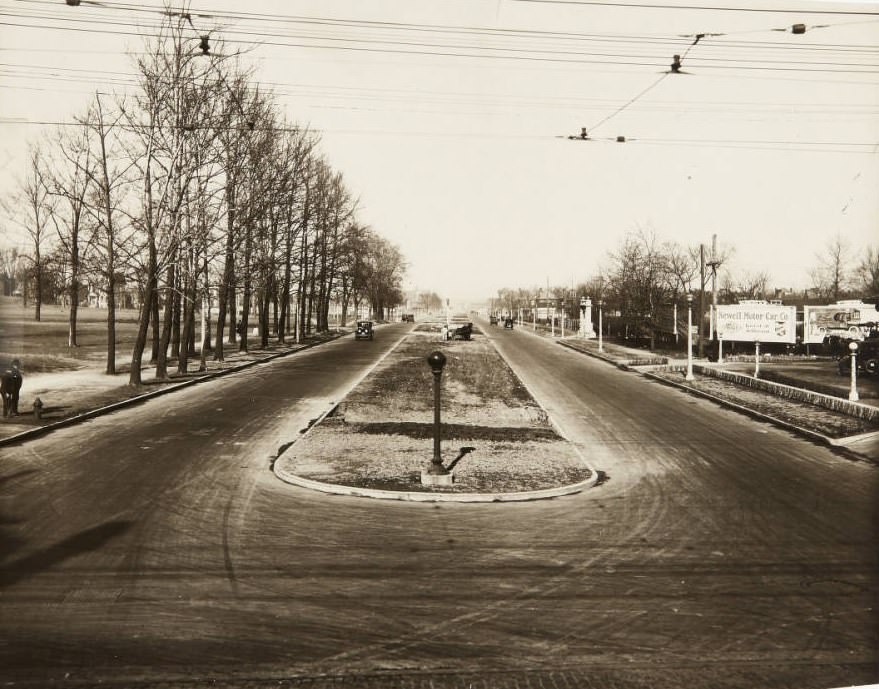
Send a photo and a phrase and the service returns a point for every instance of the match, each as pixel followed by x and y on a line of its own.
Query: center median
pixel 496 439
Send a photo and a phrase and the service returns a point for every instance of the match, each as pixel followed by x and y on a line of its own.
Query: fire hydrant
pixel 38 408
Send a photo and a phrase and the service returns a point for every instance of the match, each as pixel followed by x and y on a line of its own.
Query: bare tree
pixel 385 270
pixel 72 170
pixel 31 207
pixel 830 276
pixel 639 281
pixel 167 122
pixel 10 261
pixel 232 145
pixel 868 271
pixel 752 285
pixel 681 268
pixel 108 184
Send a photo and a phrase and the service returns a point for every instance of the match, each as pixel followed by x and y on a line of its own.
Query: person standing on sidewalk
pixel 10 387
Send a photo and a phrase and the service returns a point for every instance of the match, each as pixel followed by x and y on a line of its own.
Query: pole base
pixel 428 479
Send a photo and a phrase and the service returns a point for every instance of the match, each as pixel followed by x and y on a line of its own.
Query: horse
pixel 10 386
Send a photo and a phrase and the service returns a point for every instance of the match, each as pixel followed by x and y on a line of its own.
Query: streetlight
pixel 563 318
pixel 689 375
pixel 600 341
pixel 853 392
pixel 436 474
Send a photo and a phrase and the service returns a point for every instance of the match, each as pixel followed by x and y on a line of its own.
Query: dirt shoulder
pixel 69 393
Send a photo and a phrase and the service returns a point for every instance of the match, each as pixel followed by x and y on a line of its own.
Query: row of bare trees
pixel 645 278
pixel 841 271
pixel 196 190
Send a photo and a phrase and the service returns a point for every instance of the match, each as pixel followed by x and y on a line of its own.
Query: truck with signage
pixel 851 319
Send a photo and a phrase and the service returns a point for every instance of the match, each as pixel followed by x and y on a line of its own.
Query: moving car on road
pixel 364 330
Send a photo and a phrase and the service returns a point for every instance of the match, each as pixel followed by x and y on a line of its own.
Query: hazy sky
pixel 445 117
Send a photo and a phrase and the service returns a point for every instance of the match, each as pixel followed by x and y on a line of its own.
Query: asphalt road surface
pixel 153 547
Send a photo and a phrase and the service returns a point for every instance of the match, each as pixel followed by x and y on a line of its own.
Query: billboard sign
pixel 844 319
pixel 756 322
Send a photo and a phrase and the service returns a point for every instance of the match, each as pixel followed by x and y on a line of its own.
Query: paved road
pixel 153 546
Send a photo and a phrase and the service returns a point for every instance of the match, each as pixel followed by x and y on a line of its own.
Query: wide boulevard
pixel 153 547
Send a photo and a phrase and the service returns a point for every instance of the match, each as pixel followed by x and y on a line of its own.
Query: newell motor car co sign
pixel 757 323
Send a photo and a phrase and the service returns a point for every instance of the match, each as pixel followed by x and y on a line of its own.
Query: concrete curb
pixel 622 365
pixel 832 402
pixel 419 496
pixel 413 496
pixel 139 399
pixel 837 444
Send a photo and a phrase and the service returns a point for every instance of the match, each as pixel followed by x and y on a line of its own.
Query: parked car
pixel 492 320
pixel 364 330
pixel 867 358
pixel 508 323
pixel 408 317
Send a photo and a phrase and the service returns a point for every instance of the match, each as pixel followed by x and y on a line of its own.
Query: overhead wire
pixel 712 8
pixel 442 98
pixel 380 44
pixel 813 146
pixel 516 54
pixel 432 28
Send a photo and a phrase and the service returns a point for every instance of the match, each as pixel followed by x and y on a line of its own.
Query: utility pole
pixel 701 299
pixel 713 263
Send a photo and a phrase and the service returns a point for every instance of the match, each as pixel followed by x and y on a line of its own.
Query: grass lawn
pixel 41 346
pixel 495 436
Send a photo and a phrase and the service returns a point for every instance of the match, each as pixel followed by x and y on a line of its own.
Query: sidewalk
pixel 72 395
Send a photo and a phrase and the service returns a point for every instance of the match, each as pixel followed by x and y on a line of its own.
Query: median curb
pixel 418 496
pixel 628 364
pixel 145 397
pixel 421 496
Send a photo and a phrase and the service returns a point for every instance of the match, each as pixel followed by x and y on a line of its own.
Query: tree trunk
pixel 74 308
pixel 111 323
pixel 303 278
pixel 245 298
pixel 188 347
pixel 38 287
pixel 154 309
pixel 228 275
pixel 146 309
pixel 175 318
pixel 74 285
pixel 167 324
pixel 264 325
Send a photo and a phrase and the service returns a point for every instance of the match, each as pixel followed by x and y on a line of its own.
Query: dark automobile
pixel 508 323
pixel 867 358
pixel 364 330
pixel 408 317
pixel 492 320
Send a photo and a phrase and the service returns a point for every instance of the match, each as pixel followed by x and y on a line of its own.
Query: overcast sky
pixel 449 118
